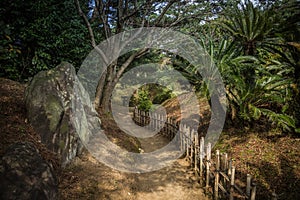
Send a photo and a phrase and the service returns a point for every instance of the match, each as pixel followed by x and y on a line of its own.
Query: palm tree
pixel 267 98
pixel 248 25
pixel 288 29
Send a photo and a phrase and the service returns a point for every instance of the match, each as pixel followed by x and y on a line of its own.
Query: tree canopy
pixel 254 44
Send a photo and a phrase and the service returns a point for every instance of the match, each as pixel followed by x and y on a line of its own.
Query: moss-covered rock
pixel 60 110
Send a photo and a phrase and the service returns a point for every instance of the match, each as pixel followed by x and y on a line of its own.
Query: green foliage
pixel 143 100
pixel 42 34
pixel 258 69
pixel 150 94
pixel 257 87
pixel 162 94
pixel 249 25
pixel 9 54
pixel 287 30
pixel 256 48
pixel 267 98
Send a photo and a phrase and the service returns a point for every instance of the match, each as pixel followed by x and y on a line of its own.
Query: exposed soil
pixel 85 177
pixel 271 157
pixel 14 126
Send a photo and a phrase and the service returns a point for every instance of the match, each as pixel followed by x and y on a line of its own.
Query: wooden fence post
pixel 224 168
pixel 253 191
pixel 192 144
pixel 248 186
pixel 177 132
pixel 187 133
pixel 229 174
pixel 196 151
pixel 159 120
pixel 143 117
pixel 166 126
pixel 232 182
pixel 181 137
pixel 163 120
pixel 274 196
pixel 225 161
pixel 175 129
pixel 134 115
pixel 161 126
pixel 170 129
pixel 151 120
pixel 201 154
pixel 217 175
pixel 208 156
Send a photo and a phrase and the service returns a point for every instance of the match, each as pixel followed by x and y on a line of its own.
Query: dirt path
pixel 86 178
pixel 173 182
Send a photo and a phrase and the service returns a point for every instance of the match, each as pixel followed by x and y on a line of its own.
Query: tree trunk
pixel 297 95
pixel 126 14
pixel 105 103
pixel 105 89
pixel 99 90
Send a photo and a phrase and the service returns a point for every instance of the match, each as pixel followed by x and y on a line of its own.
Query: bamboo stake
pixel 196 151
pixel 201 154
pixel 232 183
pixel 208 155
pixel 248 187
pixel 253 191
pixel 217 176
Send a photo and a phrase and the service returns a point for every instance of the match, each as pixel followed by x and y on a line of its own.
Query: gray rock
pixel 60 110
pixel 24 174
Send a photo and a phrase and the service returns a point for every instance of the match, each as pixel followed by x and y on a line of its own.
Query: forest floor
pixel 272 158
pixel 86 178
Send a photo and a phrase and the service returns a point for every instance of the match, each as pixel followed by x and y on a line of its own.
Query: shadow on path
pixel 86 178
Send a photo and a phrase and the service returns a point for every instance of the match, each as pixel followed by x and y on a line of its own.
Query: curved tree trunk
pixel 112 79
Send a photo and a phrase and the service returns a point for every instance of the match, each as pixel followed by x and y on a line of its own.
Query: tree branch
pixel 133 37
pixel 160 17
pixel 87 23
pixel 101 11
pixel 129 61
pixel 91 33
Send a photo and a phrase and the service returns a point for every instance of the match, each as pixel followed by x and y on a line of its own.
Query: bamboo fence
pixel 216 175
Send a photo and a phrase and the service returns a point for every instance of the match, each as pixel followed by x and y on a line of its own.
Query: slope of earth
pixel 271 157
pixel 13 122
pixel 85 177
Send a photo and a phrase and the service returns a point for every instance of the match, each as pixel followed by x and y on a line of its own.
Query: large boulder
pixel 24 174
pixel 60 110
